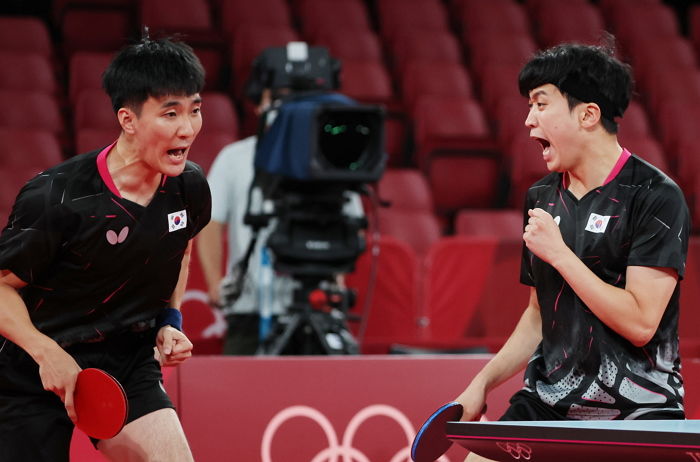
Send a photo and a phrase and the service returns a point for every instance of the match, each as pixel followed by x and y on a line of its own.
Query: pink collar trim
pixel 104 171
pixel 613 173
pixel 618 165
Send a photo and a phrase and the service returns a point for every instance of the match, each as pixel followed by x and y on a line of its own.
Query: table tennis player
pixel 93 267
pixel 605 243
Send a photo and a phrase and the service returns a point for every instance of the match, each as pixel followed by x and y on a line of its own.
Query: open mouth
pixel 177 153
pixel 544 143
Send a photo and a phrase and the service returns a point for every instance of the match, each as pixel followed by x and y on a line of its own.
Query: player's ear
pixel 126 118
pixel 590 115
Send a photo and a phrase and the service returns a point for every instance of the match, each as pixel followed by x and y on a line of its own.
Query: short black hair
pixel 583 73
pixel 152 68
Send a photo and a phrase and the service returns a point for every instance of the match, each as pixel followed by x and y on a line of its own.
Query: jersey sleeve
pixel 35 230
pixel 661 229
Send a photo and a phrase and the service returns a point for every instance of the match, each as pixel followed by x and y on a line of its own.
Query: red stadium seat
pixel 503 48
pixel 219 113
pixel 387 295
pixel 464 181
pixel 509 120
pixel 632 21
pixel 635 121
pixel 406 189
pixel 561 22
pixel 406 15
pixel 479 18
pixel 95 29
pixel 367 81
pixel 673 84
pixel 268 14
pixel 653 53
pixel 396 142
pixel 430 45
pixel 505 224
pixel 498 82
pixel 193 19
pixel 526 167
pixel 694 25
pixel 364 46
pixel 93 109
pixel 31 110
pixel 456 272
pixel 27 72
pixel 25 35
pixel 448 124
pixel 421 79
pixel 28 149
pixel 318 15
pixel 85 71
pixel 417 228
pixel 182 15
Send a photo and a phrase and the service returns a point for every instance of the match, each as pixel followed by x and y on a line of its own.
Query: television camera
pixel 315 150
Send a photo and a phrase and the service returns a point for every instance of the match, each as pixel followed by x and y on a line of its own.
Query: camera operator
pixel 230 179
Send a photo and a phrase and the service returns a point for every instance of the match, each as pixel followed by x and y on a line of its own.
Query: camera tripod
pixel 306 330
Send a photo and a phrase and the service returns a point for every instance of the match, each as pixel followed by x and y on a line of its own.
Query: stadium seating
pixel 386 281
pixel 27 72
pixel 25 35
pixel 31 110
pixel 272 14
pixel 318 16
pixel 28 149
pixel 95 29
pixel 506 224
pixel 85 70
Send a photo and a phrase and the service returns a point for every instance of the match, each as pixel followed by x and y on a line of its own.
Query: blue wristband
pixel 169 317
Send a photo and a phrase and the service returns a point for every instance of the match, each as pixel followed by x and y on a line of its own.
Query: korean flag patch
pixel 177 220
pixel 597 223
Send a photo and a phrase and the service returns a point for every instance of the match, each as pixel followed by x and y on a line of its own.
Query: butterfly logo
pixel 114 238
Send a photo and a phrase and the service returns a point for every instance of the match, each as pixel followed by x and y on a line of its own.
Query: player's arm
pixel 634 311
pixel 173 346
pixel 57 369
pixel 509 360
pixel 210 251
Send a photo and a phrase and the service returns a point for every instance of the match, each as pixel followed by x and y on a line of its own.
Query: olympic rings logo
pixel 343 449
pixel 516 450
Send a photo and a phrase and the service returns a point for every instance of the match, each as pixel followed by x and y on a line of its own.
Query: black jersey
pixel 582 368
pixel 93 261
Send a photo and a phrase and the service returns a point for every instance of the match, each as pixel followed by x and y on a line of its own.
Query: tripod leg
pixel 276 344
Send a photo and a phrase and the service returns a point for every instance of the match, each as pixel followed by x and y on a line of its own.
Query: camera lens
pixel 344 139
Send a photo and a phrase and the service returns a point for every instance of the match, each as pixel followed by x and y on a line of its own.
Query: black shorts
pixel 34 424
pixel 525 405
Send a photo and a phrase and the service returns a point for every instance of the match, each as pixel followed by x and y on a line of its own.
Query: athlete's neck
pixel 134 179
pixel 593 166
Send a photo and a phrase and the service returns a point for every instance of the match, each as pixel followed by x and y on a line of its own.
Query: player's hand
pixel 542 236
pixel 59 372
pixel 473 401
pixel 172 346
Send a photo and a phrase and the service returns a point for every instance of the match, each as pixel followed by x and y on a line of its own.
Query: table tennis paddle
pixel 430 442
pixel 100 404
